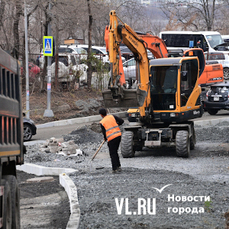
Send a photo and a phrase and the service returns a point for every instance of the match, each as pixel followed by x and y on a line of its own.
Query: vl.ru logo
pixel 144 205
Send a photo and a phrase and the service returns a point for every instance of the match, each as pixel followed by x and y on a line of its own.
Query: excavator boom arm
pixel 155 45
pixel 118 95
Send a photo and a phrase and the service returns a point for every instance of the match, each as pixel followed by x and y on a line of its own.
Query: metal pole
pixel 27 66
pixel 48 112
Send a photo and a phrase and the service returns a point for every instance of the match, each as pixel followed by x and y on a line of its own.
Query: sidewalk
pixel 87 119
pixel 211 121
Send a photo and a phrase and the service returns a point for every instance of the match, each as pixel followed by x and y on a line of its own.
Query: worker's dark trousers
pixel 113 149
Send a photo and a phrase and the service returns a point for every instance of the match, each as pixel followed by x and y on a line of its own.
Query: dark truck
pixel 11 140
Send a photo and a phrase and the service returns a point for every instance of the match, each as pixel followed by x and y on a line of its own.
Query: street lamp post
pixel 26 64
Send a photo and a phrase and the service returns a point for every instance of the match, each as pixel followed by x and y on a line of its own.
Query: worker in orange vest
pixel 112 133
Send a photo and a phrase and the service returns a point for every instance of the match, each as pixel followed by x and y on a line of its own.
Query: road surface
pixel 59 131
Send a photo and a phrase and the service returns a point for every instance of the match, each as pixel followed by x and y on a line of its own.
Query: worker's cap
pixel 103 111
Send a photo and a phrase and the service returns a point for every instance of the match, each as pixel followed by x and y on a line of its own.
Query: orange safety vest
pixel 111 127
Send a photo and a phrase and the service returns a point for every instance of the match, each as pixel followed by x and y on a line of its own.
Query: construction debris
pixel 60 147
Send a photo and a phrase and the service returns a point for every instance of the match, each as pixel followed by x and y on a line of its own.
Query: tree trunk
pixel 23 82
pixel 2 10
pixel 16 30
pixel 56 68
pixel 89 73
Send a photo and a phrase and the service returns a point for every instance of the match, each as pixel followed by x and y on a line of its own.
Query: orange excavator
pixel 213 72
pixel 165 96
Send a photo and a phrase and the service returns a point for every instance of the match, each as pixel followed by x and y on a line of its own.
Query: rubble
pixel 60 147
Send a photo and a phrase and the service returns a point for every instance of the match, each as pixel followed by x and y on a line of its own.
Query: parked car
pixel 221 58
pixel 66 49
pixel 78 49
pixel 99 52
pixel 129 68
pixel 33 70
pixel 80 53
pixel 30 128
pixel 217 98
pixel 68 68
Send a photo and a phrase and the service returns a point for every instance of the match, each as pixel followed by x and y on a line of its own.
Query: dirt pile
pixel 65 104
pixel 85 134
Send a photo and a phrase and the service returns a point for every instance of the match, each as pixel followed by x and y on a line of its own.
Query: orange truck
pixel 11 140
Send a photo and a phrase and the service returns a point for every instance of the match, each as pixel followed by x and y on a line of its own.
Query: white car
pixel 129 68
pixel 78 49
pixel 80 53
pixel 99 52
pixel 66 49
pixel 221 58
pixel 69 68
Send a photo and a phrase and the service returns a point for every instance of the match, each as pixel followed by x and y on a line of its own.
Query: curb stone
pixel 71 190
pixel 87 119
pixel 95 118
pixel 65 182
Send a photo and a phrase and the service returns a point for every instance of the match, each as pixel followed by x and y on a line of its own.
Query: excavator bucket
pixel 126 98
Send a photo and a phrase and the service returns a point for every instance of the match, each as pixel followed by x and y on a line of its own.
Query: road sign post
pixel 48 46
pixel 48 51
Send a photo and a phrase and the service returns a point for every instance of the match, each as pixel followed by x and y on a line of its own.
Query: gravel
pixel 97 192
pixel 34 194
pixel 205 173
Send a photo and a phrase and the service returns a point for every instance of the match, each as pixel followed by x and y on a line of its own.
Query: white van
pixel 207 40
pixel 225 37
pixel 210 41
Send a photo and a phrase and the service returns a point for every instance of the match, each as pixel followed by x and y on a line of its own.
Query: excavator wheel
pixel 182 143
pixel 127 143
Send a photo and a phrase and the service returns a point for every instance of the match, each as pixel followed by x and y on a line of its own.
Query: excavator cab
pixel 174 89
pixel 199 53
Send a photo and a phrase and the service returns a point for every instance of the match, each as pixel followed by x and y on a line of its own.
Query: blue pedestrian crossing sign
pixel 48 45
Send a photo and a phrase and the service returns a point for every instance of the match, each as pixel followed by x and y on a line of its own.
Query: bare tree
pixel 200 15
pixel 18 13
pixel 89 74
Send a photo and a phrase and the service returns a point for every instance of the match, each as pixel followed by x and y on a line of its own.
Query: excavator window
pixel 163 86
pixel 189 69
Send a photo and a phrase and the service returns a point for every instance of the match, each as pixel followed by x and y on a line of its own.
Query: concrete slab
pixel 41 170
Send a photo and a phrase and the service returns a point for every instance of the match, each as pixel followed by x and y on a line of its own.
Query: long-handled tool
pixel 98 150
